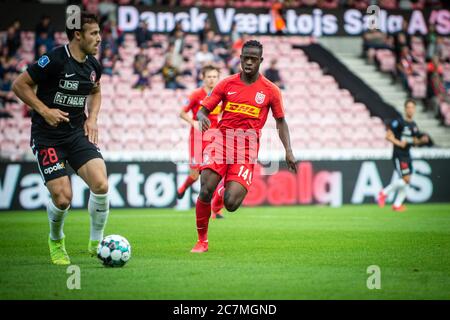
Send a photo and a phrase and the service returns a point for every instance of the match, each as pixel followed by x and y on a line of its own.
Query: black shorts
pixel 403 165
pixel 52 159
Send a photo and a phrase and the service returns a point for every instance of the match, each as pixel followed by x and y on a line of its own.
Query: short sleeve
pixel 215 96
pixel 191 102
pixel 395 125
pixel 276 103
pixel 46 67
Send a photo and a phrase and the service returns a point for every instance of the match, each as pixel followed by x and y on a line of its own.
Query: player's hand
pixel 55 116
pixel 424 139
pixel 91 130
pixel 290 160
pixel 403 144
pixel 204 123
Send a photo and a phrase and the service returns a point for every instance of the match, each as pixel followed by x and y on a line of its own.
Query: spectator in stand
pixel 109 42
pixel 430 41
pixel 42 49
pixel 277 17
pixel 202 33
pixel 273 74
pixel 401 39
pixel 116 33
pixel 44 34
pixel 436 87
pixel 107 11
pixel 211 41
pixel 234 64
pixel 143 36
pixel 108 62
pixel 374 39
pixel 234 34
pixel 223 50
pixel 202 58
pixel 13 41
pixel 405 67
pixel 178 42
pixel 171 75
pixel 140 66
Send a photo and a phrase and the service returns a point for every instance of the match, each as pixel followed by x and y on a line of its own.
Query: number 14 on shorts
pixel 246 174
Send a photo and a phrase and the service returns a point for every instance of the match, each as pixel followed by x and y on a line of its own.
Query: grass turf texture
pixel 255 253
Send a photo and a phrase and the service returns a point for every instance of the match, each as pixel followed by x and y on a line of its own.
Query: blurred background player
pixel 246 99
pixel 210 75
pixel 61 132
pixel 402 133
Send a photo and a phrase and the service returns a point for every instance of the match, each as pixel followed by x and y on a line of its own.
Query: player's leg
pixel 94 174
pixel 57 209
pixel 401 194
pixel 393 186
pixel 86 159
pixel 193 176
pixel 237 182
pixel 235 193
pixel 209 179
pixel 51 163
pixel 217 201
pixel 405 165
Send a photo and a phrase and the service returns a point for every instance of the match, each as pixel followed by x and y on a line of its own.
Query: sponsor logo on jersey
pixel 217 110
pixel 56 167
pixel 43 61
pixel 243 108
pixel 93 76
pixel 259 98
pixel 68 100
pixel 68 85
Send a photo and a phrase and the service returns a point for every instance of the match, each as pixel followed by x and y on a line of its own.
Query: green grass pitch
pixel 306 252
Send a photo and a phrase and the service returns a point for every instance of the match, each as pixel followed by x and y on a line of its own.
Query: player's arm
pixel 23 87
pixel 276 105
pixel 203 120
pixel 283 133
pixel 391 138
pixel 184 113
pixel 93 106
pixel 420 140
pixel 209 103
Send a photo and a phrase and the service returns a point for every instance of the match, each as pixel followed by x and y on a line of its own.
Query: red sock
pixel 217 200
pixel 202 213
pixel 189 181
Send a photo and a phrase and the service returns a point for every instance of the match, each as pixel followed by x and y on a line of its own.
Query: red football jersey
pixel 245 106
pixel 194 104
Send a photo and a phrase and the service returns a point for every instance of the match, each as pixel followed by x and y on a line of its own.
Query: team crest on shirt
pixel 93 76
pixel 259 98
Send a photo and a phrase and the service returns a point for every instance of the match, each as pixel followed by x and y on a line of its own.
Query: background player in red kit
pixel 210 76
pixel 246 99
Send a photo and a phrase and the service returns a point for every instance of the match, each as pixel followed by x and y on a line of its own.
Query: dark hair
pixel 86 17
pixel 209 67
pixel 254 44
pixel 408 101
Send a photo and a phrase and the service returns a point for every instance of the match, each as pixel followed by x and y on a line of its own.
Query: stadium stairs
pixel 348 49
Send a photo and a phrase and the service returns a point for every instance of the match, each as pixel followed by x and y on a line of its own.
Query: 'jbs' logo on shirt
pixel 68 100
pixel 243 108
pixel 68 85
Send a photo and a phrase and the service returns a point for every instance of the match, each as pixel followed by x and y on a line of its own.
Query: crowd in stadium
pixel 223 50
pixel 414 59
pixel 325 4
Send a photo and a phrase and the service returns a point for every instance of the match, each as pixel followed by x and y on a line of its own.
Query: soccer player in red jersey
pixel 246 100
pixel 210 76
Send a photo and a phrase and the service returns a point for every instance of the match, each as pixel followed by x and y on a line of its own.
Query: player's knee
pixel 205 194
pixel 100 187
pixel 62 200
pixel 407 179
pixel 231 203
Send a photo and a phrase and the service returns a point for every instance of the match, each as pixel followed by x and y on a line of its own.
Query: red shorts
pixel 242 173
